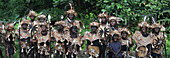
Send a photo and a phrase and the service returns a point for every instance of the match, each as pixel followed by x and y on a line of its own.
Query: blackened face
pixel 156 30
pixel 115 37
pixel 32 17
pixel 112 22
pixel 71 16
pixel 124 34
pixel 144 29
pixel 74 29
pixel 103 19
pixel 59 27
pixel 41 19
pixel 43 28
pixel 24 26
pixel 94 28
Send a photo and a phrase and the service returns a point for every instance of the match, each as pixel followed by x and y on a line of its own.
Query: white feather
pixel 49 18
pixel 153 19
pixel 145 18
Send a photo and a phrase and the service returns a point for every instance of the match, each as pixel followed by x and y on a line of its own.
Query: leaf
pixel 125 0
pixel 103 10
pixel 118 5
pixel 164 20
pixel 129 9
pixel 105 1
pixel 40 13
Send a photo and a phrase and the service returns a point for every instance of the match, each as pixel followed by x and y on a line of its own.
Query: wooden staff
pixel 19 43
pixel 127 47
pixel 5 46
pixel 165 45
pixel 49 19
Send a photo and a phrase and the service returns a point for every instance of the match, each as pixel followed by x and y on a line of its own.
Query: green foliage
pixel 13 9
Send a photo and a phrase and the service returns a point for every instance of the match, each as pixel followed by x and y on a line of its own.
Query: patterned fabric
pixel 158 43
pixel 142 42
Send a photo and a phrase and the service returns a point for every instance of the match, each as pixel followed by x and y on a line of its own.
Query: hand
pixel 49 49
pixel 87 51
pixel 64 51
pixel 78 52
pixel 117 56
pixel 33 40
pixel 104 39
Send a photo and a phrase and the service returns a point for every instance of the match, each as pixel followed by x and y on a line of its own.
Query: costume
pixel 43 36
pixel 115 46
pixel 158 40
pixel 9 39
pixel 24 37
pixel 74 43
pixel 103 32
pixel 59 37
pixel 32 15
pixel 93 40
pixel 2 34
pixel 126 43
pixel 72 22
pixel 33 29
pixel 113 27
pixel 143 42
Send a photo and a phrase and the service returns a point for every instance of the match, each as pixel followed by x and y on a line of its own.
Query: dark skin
pixel 103 20
pixel 145 34
pixel 94 29
pixel 113 23
pixel 124 35
pixel 41 19
pixel 24 26
pixel 144 31
pixel 115 39
pixel 73 32
pixel 71 16
pixel 44 31
pixel 60 28
pixel 156 31
pixel 32 17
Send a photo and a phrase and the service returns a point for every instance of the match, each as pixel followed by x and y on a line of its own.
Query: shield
pixel 93 50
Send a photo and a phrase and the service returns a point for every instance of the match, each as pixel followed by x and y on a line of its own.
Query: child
pixel 115 46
